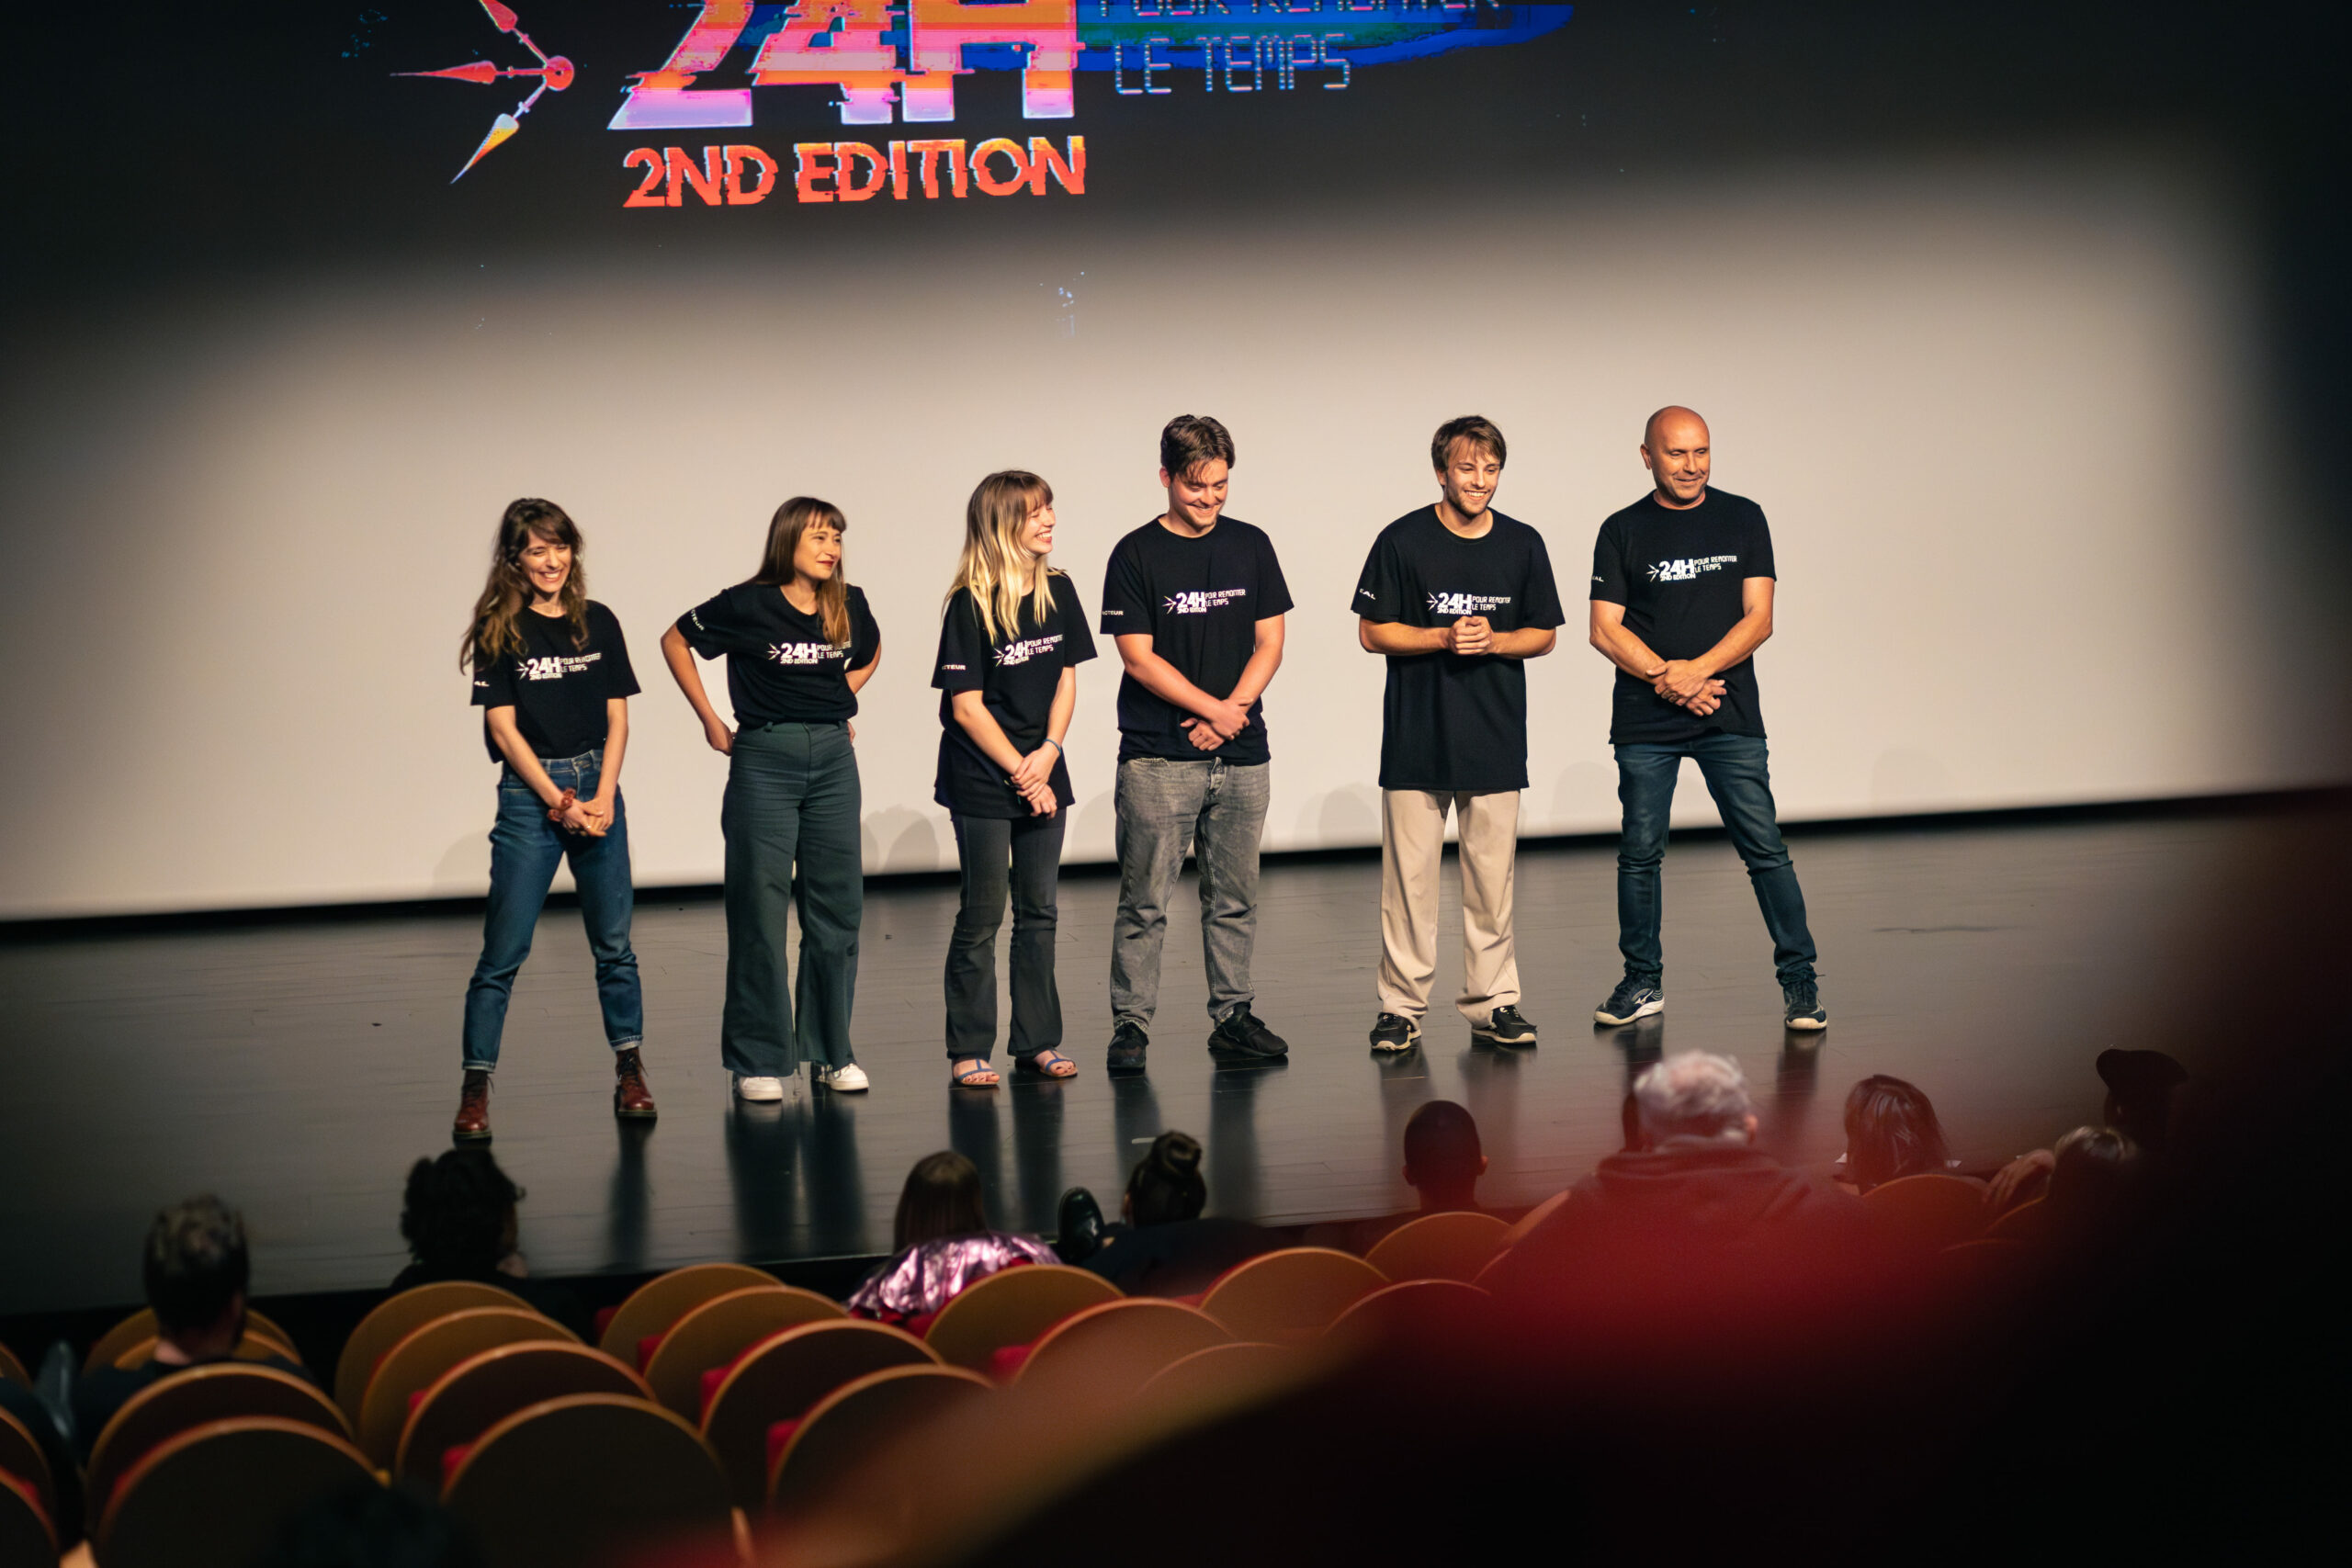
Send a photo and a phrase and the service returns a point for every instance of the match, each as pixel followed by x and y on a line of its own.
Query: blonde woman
pixel 551 675
pixel 1009 643
pixel 799 642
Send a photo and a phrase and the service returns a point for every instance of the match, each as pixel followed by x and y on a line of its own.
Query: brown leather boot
pixel 473 1108
pixel 631 1098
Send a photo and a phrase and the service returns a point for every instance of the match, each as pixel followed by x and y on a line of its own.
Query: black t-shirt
pixel 1016 676
pixel 557 688
pixel 1678 576
pixel 780 669
pixel 1200 602
pixel 1450 721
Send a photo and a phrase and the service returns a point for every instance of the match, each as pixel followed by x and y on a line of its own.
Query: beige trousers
pixel 1412 848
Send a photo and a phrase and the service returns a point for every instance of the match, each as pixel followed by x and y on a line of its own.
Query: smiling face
pixel 546 564
pixel 1471 474
pixel 1674 451
pixel 819 554
pixel 1197 495
pixel 1036 535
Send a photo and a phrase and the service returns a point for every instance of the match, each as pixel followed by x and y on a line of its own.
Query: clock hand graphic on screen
pixel 554 72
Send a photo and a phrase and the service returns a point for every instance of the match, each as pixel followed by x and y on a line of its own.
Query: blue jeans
pixel 791 818
pixel 1734 767
pixel 524 849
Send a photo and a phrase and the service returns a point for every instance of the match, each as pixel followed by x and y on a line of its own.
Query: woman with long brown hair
pixel 1011 640
pixel 799 642
pixel 551 673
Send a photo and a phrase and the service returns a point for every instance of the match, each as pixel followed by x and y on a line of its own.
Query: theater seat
pixel 22 1456
pixel 721 1329
pixel 1114 1349
pixel 1290 1296
pixel 852 1424
pixel 1012 1306
pixel 199 1396
pixel 654 1306
pixel 213 1496
pixel 27 1529
pixel 1440 1247
pixel 420 1359
pixel 482 1390
pixel 783 1377
pixel 395 1319
pixel 581 1479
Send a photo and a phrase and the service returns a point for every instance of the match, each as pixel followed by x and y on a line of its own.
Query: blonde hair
pixel 993 561
pixel 794 518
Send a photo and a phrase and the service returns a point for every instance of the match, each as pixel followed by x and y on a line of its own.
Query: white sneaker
pixel 761 1087
pixel 848 1079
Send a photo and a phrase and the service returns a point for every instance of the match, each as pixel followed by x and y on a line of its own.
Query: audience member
pixel 2090 1174
pixel 1443 1164
pixel 944 1243
pixel 1164 1247
pixel 1891 1133
pixel 1697 1193
pixel 2140 1086
pixel 365 1525
pixel 461 1219
pixel 195 1269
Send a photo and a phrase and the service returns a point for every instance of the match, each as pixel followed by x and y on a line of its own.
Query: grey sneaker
pixel 1505 1026
pixel 1394 1032
pixel 1633 998
pixel 1804 1009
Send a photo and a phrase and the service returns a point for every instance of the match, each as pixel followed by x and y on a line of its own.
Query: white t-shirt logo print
pixel 1457 604
pixel 804 652
pixel 1200 602
pixel 1687 570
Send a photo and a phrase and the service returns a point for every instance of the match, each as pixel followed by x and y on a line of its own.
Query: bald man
pixel 1681 600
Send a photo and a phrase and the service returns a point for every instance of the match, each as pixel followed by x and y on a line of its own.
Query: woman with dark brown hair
pixel 799 642
pixel 944 1243
pixel 1891 1133
pixel 551 673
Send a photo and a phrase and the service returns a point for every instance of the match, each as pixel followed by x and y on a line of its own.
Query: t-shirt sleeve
pixel 620 676
pixel 1127 597
pixel 963 661
pixel 494 681
pixel 1541 596
pixel 1077 642
pixel 711 628
pixel 1610 574
pixel 1381 590
pixel 1759 562
pixel 864 636
pixel 1273 592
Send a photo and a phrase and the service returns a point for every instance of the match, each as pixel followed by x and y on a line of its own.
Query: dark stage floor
pixel 299 1069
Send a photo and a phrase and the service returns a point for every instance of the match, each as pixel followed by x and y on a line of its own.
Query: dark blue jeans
pixel 791 817
pixel 523 849
pixel 1734 767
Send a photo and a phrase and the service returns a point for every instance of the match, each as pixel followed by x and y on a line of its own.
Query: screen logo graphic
pixel 554 72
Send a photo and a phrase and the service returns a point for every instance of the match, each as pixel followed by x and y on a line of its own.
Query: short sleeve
pixel 1274 592
pixel 864 634
pixel 963 661
pixel 1760 550
pixel 1381 591
pixel 1540 598
pixel 620 676
pixel 1610 572
pixel 1077 642
pixel 1127 597
pixel 494 681
pixel 710 628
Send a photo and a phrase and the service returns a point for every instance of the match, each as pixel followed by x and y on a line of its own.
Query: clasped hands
pixel 1225 721
pixel 1680 682
pixel 591 817
pixel 1034 780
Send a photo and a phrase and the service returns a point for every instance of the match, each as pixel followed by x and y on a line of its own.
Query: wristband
pixel 1057 746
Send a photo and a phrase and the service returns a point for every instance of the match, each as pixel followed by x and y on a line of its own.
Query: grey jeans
pixel 1216 809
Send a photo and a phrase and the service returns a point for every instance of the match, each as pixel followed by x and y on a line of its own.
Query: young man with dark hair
pixel 1458 597
pixel 196 1270
pixel 1682 585
pixel 1195 601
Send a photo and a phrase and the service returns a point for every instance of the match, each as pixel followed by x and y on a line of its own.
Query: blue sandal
pixel 1042 1063
pixel 970 1078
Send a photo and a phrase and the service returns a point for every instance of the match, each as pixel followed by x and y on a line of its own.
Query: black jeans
pixel 1024 857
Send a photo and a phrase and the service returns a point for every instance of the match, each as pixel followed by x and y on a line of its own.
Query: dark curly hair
pixel 1166 1184
pixel 456 1211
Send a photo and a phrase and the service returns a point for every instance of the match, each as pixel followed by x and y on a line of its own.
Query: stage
pixel 298 1068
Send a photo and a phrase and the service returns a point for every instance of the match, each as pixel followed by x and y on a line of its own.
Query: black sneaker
pixel 1127 1043
pixel 1505 1026
pixel 1393 1032
pixel 1080 1222
pixel 1804 1009
pixel 1633 998
pixel 1239 1033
